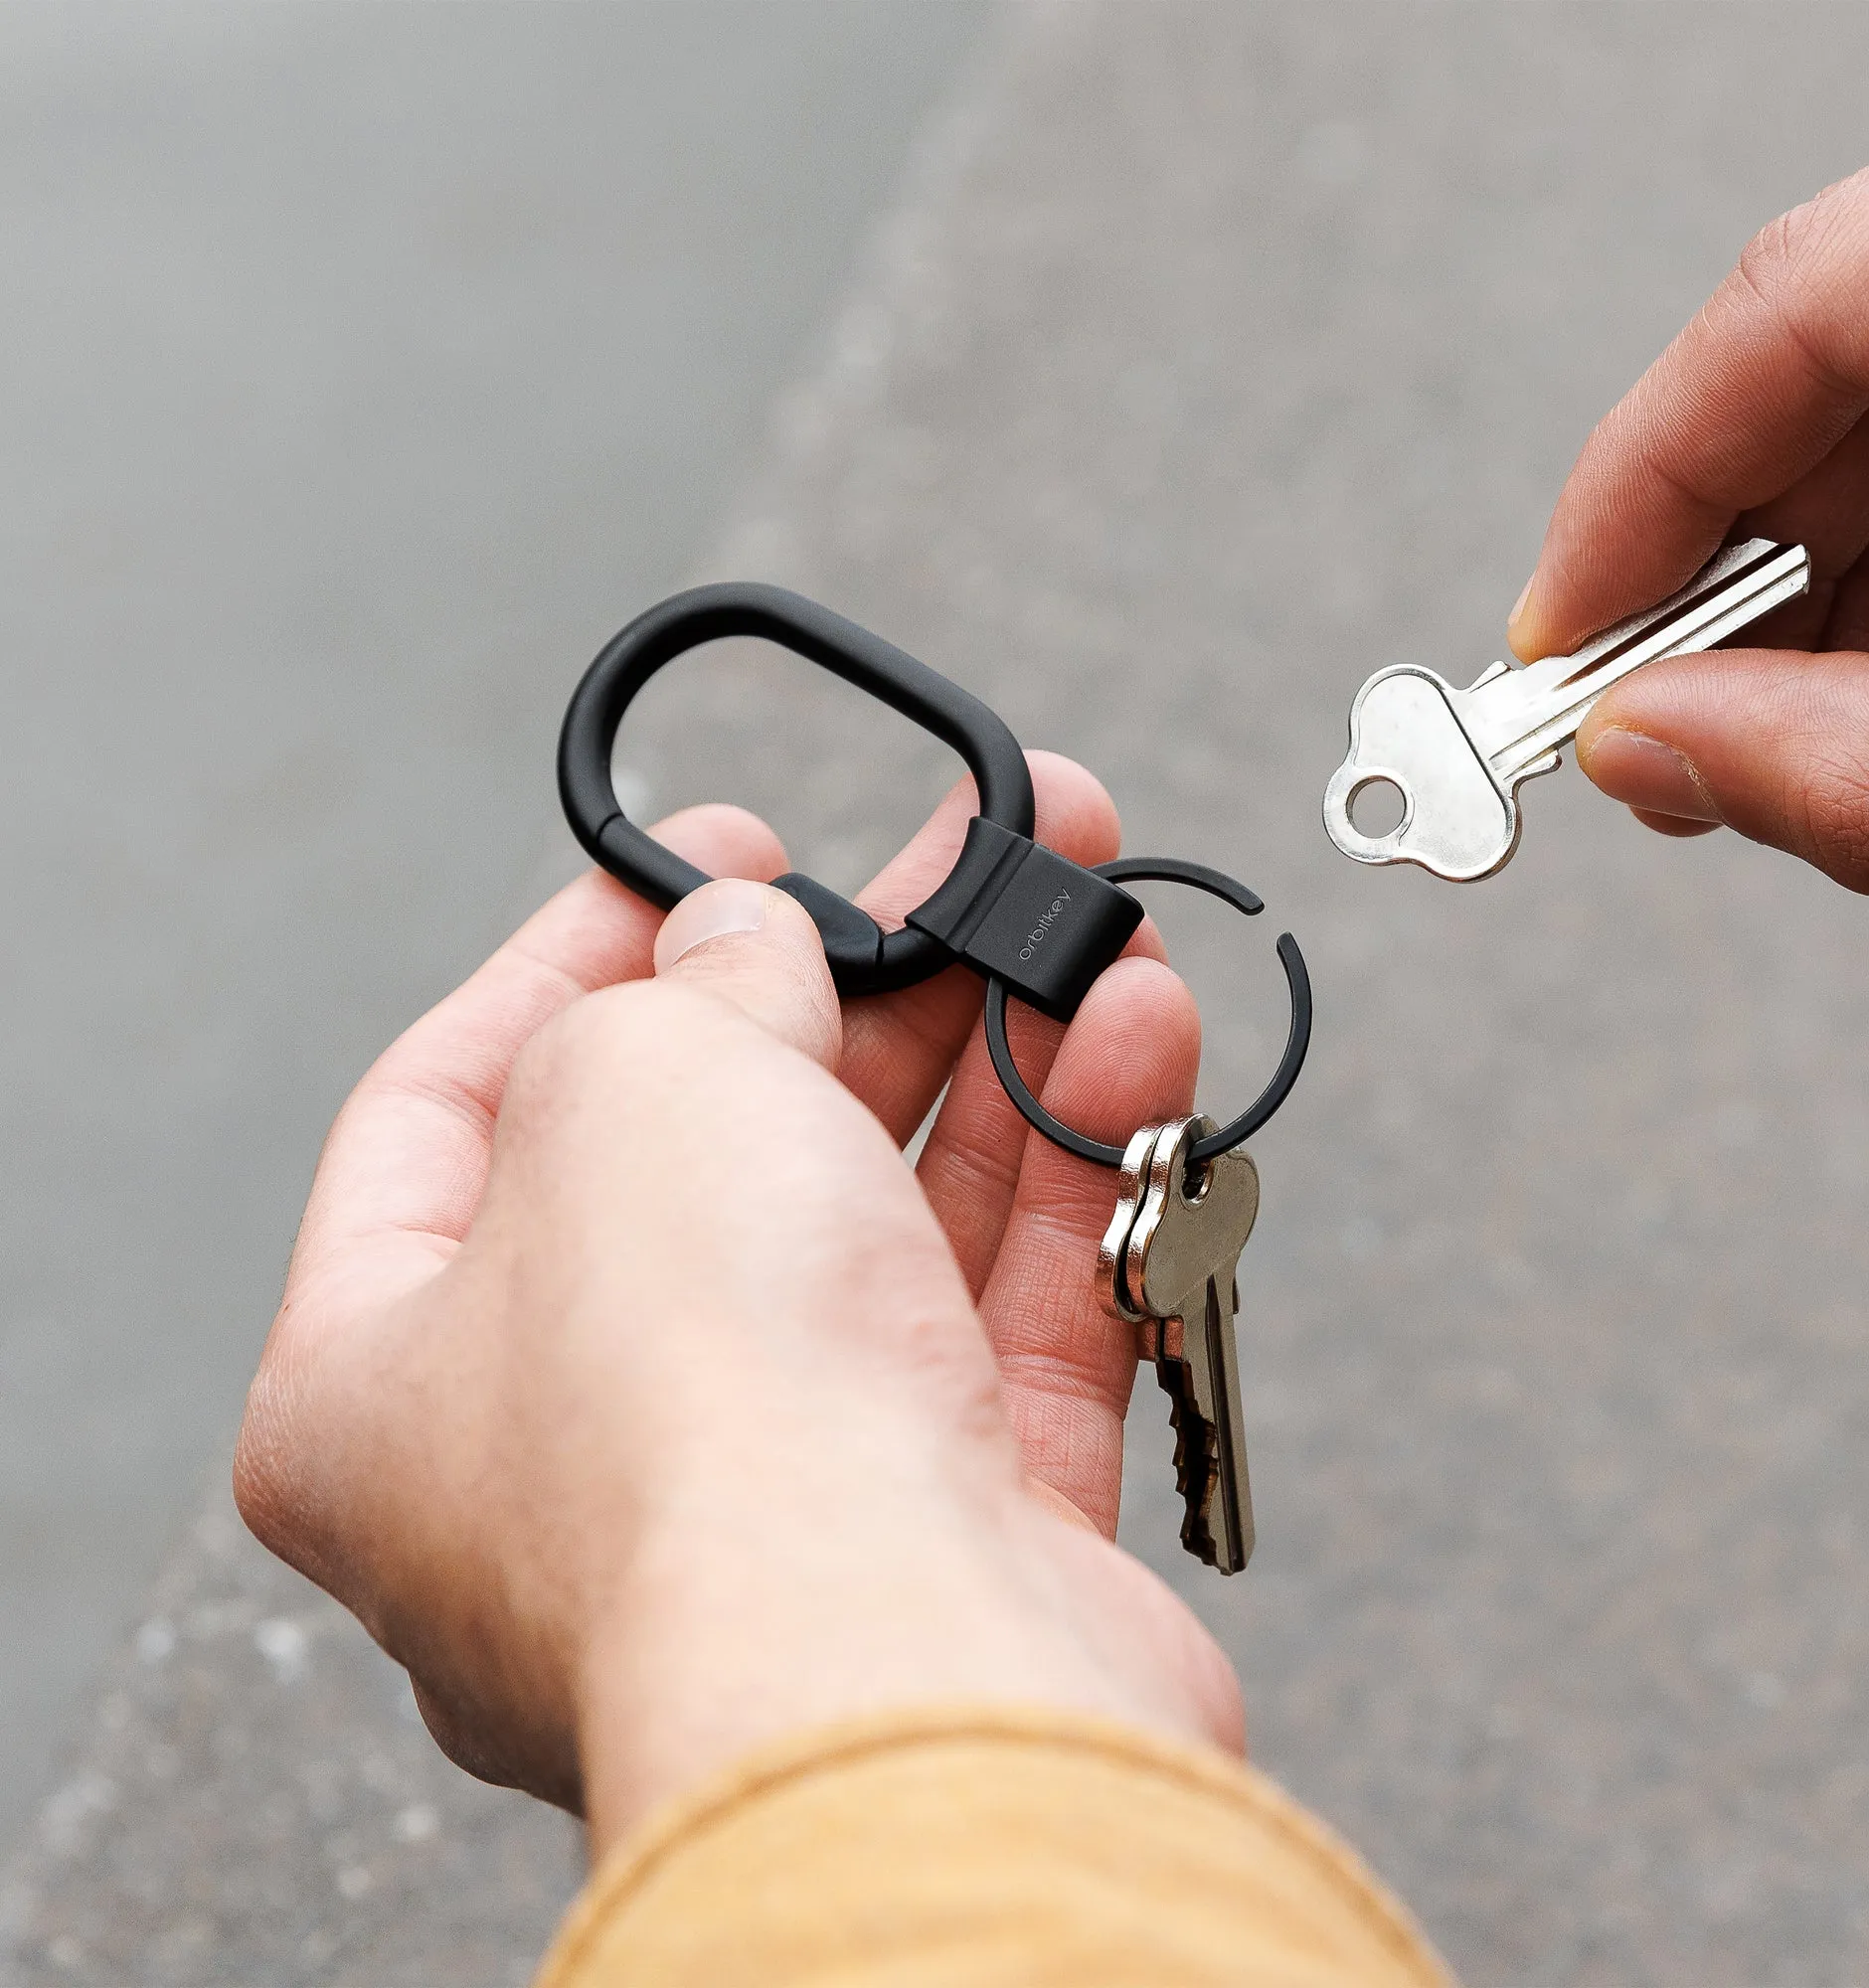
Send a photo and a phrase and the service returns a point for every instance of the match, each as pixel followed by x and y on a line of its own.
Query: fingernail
pixel 1514 630
pixel 716 910
pixel 1631 766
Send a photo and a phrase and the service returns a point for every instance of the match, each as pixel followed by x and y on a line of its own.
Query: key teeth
pixel 1196 1445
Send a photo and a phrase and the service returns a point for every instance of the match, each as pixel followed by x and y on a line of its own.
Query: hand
pixel 1751 423
pixel 640 1401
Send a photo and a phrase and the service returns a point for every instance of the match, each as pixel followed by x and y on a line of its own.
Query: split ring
pixel 1167 870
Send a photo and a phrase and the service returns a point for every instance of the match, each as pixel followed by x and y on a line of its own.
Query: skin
pixel 1751 422
pixel 639 1398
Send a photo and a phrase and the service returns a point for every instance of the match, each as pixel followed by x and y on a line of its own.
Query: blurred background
pixel 1157 368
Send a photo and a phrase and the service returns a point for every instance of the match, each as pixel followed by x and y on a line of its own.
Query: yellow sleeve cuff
pixel 1001 1848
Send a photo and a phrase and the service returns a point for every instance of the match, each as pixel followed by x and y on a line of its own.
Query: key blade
pixel 1520 717
pixel 1202 1383
pixel 1196 1412
pixel 1197 1463
pixel 1736 585
pixel 1233 1491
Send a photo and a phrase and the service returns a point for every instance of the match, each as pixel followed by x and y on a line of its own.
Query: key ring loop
pixel 1167 870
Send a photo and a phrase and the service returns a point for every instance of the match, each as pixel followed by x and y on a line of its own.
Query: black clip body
pixel 1008 907
pixel 1035 924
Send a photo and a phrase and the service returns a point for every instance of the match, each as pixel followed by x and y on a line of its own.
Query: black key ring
pixel 1167 870
pixel 1032 921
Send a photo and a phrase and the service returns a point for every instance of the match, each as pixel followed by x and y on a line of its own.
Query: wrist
pixel 861 1583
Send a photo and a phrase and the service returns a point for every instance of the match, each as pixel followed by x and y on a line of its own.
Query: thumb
pixel 1776 744
pixel 757 948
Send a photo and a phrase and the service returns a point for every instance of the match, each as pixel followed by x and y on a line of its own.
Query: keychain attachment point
pixel 1216 884
pixel 1021 913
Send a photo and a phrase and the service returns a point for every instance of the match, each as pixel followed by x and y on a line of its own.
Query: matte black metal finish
pixel 864 959
pixel 1018 911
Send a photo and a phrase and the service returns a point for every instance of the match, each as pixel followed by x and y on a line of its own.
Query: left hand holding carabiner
pixel 480 1309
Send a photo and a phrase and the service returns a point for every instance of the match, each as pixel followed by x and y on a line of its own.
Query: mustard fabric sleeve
pixel 995 1849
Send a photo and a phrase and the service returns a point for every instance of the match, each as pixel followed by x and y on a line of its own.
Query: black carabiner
pixel 1035 924
pixel 1008 905
pixel 864 959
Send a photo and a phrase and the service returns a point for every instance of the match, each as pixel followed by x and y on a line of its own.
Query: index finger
pixel 1746 401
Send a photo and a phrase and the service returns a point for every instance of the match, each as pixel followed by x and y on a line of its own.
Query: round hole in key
pixel 1197 1176
pixel 1376 807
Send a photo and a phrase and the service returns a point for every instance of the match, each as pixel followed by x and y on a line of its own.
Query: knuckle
pixel 1836 219
pixel 573 1050
pixel 1807 271
pixel 1764 259
pixel 1833 817
pixel 1773 266
pixel 269 1491
pixel 609 1045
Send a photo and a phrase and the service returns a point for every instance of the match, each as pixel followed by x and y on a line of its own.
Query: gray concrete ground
pixel 358 367
pixel 1218 353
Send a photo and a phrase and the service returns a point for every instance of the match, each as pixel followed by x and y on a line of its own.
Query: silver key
pixel 1458 756
pixel 1168 1265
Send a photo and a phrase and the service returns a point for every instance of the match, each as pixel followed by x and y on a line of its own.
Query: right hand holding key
pixel 1751 423
pixel 630 1390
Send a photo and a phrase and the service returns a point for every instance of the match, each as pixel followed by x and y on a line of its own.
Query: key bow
pixel 1457 820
